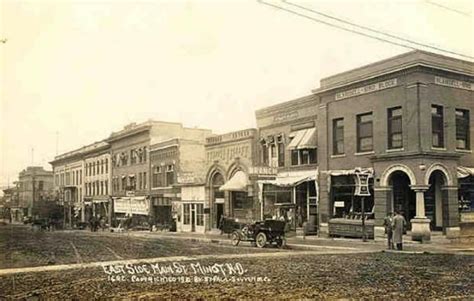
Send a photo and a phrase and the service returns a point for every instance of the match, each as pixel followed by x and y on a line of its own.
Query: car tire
pixel 261 240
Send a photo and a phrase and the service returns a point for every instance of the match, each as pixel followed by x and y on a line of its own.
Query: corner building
pixel 408 122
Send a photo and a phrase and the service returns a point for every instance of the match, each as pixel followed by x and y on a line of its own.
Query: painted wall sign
pixel 367 89
pixel 442 81
pixel 227 154
pixel 286 116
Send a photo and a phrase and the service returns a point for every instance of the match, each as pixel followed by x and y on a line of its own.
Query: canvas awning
pixel 464 171
pixel 292 178
pixel 238 182
pixel 303 139
pixel 346 172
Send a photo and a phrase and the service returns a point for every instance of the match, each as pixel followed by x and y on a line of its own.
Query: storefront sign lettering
pixel 131 206
pixel 442 81
pixel 367 89
pixel 286 116
pixel 229 153
pixel 262 170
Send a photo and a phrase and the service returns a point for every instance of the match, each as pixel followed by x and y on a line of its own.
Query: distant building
pixel 34 184
pixel 130 151
pixel 10 202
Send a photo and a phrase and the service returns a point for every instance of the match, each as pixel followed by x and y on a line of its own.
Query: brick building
pixel 97 180
pixel 177 182
pixel 68 170
pixel 288 143
pixel 233 168
pixel 129 151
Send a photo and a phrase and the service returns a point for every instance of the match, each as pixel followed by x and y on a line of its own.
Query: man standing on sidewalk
pixel 398 227
pixel 387 222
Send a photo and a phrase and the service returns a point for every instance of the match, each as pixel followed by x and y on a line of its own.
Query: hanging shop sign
pixel 136 205
pixel 362 184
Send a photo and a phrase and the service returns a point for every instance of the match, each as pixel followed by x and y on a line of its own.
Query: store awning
pixel 303 139
pixel 346 172
pixel 293 178
pixel 238 182
pixel 464 171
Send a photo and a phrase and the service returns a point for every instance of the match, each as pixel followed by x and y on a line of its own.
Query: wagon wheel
pixel 261 240
pixel 235 238
pixel 281 242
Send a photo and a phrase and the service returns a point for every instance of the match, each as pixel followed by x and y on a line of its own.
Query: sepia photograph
pixel 236 150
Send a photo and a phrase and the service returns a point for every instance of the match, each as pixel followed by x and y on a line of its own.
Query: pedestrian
pixel 151 223
pixel 387 222
pixel 91 223
pixel 102 223
pixel 398 226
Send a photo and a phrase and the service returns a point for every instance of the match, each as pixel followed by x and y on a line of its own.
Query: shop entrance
pixel 434 200
pixel 403 197
pixel 218 199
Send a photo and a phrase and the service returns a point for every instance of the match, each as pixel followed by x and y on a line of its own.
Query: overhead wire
pixel 448 8
pixel 374 30
pixel 404 45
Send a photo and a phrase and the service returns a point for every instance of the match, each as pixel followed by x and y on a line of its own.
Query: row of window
pixel 274 155
pixel 97 188
pixel 68 178
pixel 163 176
pixel 365 142
pixel 98 167
pixel 130 182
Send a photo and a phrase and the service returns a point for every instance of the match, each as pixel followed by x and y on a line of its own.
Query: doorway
pixel 434 200
pixel 404 198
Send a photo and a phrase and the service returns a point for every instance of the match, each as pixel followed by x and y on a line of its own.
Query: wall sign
pixel 367 89
pixel 229 153
pixel 442 81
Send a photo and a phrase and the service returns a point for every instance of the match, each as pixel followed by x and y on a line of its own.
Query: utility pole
pixel 364 238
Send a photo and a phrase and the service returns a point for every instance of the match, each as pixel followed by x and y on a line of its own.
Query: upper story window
pixel 264 154
pixel 462 129
pixel 106 165
pixel 338 136
pixel 365 141
pixel 304 156
pixel 157 177
pixel 395 137
pixel 133 156
pixel 437 126
pixel 169 175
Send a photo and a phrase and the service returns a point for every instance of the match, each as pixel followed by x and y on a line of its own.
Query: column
pixel 450 209
pixel 420 225
pixel 383 204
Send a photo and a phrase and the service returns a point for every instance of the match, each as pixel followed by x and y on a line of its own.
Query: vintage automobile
pixel 261 233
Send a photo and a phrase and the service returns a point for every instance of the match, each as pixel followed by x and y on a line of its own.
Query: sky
pixel 71 71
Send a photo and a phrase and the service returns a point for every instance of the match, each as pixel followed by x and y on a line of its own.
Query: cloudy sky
pixel 73 71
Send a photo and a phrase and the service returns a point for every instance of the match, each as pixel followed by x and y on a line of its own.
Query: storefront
pixel 191 209
pixel 131 212
pixel 292 196
pixel 347 207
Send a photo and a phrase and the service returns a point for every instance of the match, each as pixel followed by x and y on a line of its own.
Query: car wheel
pixel 235 238
pixel 261 240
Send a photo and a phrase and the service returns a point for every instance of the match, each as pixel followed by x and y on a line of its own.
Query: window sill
pixel 438 148
pixel 338 156
pixel 467 151
pixel 394 150
pixel 364 153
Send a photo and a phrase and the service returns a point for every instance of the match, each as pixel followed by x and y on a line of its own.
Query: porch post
pixel 420 225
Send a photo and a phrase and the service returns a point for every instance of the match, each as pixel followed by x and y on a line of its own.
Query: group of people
pixel 394 228
pixel 97 222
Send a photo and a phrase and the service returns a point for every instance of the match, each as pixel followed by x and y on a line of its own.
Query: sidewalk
pixel 438 244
